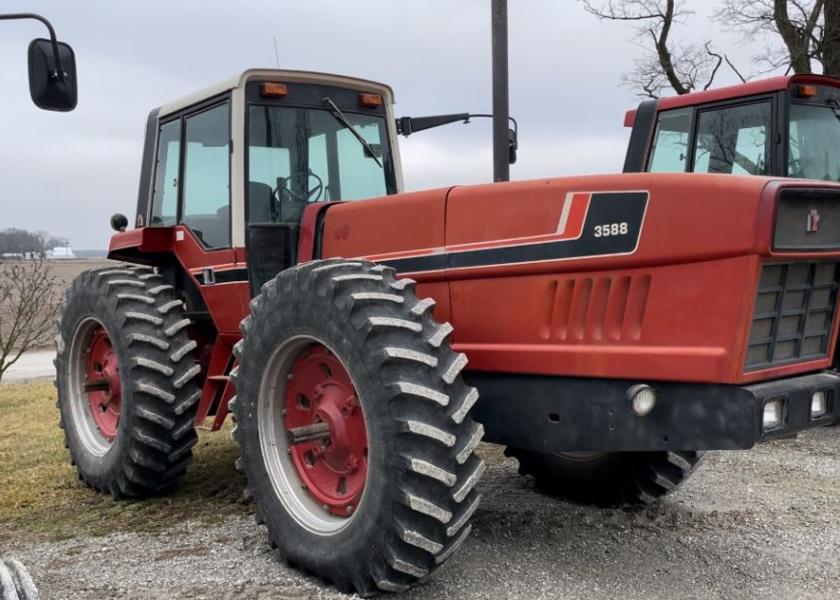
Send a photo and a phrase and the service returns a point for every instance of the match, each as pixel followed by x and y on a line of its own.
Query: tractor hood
pixel 603 221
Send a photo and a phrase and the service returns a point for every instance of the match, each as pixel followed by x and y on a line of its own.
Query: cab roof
pixel 280 75
pixel 732 92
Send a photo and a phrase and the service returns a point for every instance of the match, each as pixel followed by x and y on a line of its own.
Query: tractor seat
pixel 260 199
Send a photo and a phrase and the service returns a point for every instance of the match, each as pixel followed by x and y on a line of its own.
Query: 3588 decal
pixel 612 229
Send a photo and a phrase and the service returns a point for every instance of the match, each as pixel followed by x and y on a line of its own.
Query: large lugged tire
pixel 607 478
pixel 125 373
pixel 15 581
pixel 388 497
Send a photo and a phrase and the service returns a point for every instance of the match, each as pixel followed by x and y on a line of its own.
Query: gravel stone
pixel 762 523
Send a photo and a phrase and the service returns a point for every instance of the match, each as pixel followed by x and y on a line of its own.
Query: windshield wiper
pixel 341 118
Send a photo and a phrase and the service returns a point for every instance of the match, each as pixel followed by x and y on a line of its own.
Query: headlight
pixel 773 414
pixel 819 404
pixel 642 399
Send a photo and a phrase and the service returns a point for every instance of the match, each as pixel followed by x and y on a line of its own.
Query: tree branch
pixel 719 59
pixel 736 71
pixel 29 305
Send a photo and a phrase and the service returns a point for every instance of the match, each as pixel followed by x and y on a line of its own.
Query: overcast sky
pixel 68 172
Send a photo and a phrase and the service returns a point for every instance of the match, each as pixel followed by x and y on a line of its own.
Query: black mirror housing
pixel 50 86
pixel 513 145
pixel 119 222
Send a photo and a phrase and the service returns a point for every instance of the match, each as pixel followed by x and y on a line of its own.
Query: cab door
pixel 191 195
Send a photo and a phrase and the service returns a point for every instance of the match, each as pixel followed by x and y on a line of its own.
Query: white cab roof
pixel 280 75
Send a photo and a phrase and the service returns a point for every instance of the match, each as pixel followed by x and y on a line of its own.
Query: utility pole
pixel 501 108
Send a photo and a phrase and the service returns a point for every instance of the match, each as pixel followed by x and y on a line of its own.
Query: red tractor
pixel 782 127
pixel 606 329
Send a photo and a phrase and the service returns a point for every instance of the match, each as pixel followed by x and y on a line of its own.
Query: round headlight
pixel 642 399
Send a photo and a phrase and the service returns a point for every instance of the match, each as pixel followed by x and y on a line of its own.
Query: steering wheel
pixel 312 194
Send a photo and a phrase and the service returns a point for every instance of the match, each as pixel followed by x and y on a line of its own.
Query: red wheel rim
pixel 333 468
pixel 102 383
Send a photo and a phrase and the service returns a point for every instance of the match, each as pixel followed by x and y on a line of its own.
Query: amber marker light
pixel 370 100
pixel 276 90
pixel 806 91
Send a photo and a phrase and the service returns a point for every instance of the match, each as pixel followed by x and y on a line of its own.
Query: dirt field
pixel 65 271
pixel 758 524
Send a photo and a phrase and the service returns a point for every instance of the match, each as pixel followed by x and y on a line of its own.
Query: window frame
pixel 789 100
pixel 772 134
pixel 692 117
pixel 156 162
pixel 389 165
pixel 778 135
pixel 182 115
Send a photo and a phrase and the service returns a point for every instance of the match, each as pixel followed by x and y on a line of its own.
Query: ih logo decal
pixel 813 223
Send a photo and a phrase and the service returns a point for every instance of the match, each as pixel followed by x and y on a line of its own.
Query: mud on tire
pixel 419 495
pixel 144 321
pixel 610 478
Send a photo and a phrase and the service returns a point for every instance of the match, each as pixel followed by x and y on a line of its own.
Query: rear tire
pixel 141 448
pixel 608 478
pixel 16 582
pixel 419 463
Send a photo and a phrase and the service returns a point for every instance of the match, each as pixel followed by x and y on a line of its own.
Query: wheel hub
pixel 102 383
pixel 333 466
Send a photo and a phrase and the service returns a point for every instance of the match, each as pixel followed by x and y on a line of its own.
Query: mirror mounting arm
pixel 408 125
pixel 58 74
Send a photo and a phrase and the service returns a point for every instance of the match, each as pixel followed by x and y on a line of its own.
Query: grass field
pixel 40 494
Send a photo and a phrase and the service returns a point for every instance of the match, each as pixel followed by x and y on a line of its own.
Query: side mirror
pixel 513 145
pixel 52 75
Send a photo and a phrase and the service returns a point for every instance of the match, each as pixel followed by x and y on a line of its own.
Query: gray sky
pixel 67 173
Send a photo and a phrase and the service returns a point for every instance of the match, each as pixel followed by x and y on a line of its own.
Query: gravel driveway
pixel 32 365
pixel 759 524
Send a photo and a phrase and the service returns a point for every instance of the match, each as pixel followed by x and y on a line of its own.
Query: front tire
pixel 388 496
pixel 607 478
pixel 124 373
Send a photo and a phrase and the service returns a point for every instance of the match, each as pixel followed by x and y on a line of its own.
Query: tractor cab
pixel 783 126
pixel 235 165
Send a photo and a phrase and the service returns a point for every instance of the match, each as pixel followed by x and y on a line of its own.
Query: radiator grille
pixel 794 313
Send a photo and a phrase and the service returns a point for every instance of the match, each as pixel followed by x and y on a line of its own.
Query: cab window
pixel 301 155
pixel 814 137
pixel 206 193
pixel 670 142
pixel 734 139
pixel 165 190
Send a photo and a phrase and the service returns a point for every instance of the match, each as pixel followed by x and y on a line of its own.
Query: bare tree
pixel 668 64
pixel 829 49
pixel 801 35
pixel 29 304
pixel 801 25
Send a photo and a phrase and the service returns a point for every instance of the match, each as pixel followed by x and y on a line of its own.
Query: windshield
pixel 302 155
pixel 814 151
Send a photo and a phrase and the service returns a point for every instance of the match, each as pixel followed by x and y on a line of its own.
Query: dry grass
pixel 41 495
